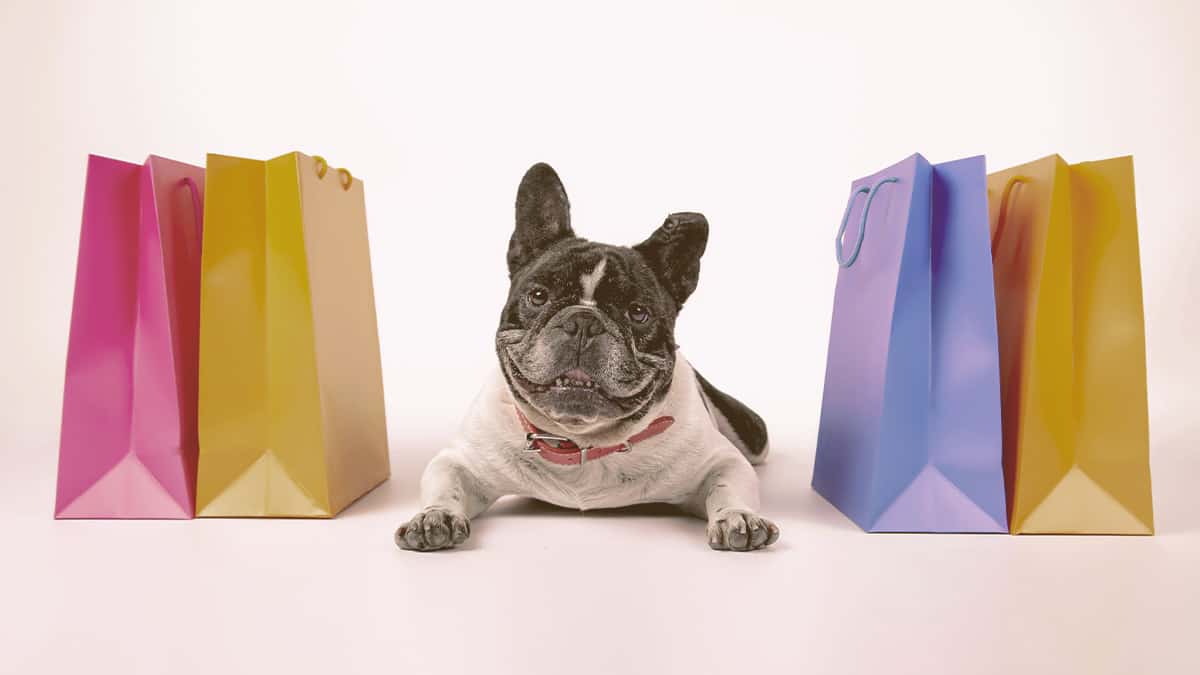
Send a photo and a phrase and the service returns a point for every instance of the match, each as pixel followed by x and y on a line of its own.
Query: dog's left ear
pixel 674 251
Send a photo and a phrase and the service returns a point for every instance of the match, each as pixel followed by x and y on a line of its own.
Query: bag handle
pixel 1005 197
pixel 842 259
pixel 197 209
pixel 322 167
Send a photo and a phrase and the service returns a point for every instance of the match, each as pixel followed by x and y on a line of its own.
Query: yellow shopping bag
pixel 1072 347
pixel 291 393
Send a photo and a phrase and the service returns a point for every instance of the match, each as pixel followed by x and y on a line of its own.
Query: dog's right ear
pixel 543 216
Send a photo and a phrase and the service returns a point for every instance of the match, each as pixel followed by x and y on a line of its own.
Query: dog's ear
pixel 543 216
pixel 674 251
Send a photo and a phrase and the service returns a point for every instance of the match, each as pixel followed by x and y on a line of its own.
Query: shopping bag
pixel 128 444
pixel 1073 347
pixel 291 390
pixel 910 431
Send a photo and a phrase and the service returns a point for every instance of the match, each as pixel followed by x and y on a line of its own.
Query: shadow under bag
pixel 910 435
pixel 291 389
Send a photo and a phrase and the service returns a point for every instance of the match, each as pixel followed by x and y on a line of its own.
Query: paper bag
pixel 910 435
pixel 291 391
pixel 128 445
pixel 1073 347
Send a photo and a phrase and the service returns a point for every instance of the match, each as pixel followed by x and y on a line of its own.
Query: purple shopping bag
pixel 910 436
pixel 128 447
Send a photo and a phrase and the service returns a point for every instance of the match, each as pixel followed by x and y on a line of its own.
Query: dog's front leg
pixel 728 498
pixel 451 495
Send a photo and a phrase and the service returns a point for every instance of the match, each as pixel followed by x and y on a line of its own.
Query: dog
pixel 591 404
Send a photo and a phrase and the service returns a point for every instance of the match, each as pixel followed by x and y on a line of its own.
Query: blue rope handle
pixel 862 226
pixel 837 240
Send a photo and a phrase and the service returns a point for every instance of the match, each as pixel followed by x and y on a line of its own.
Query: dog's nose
pixel 583 322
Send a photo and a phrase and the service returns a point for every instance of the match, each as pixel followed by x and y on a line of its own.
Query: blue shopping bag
pixel 910 435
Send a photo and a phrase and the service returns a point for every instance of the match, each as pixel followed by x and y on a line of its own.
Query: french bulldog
pixel 591 405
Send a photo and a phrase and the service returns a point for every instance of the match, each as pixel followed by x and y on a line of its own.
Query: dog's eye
pixel 538 297
pixel 638 313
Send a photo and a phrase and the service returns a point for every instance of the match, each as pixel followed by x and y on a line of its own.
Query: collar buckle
pixel 533 437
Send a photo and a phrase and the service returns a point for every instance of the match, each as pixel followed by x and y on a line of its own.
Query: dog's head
pixel 587 335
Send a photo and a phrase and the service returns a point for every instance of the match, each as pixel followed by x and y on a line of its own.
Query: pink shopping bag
pixel 128 447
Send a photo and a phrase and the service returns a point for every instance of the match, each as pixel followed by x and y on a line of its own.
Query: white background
pixel 756 113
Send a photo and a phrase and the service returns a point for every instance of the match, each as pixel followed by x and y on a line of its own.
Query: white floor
pixel 541 590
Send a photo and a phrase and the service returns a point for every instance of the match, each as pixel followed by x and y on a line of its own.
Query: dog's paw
pixel 433 529
pixel 736 530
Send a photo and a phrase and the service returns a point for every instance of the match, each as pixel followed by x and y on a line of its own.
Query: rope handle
pixel 837 240
pixel 321 167
pixel 197 208
pixel 842 259
pixel 1005 198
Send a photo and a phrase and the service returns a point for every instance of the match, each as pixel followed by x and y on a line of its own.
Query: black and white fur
pixel 586 349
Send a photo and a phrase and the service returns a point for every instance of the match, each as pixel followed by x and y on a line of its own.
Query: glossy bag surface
pixel 128 447
pixel 291 390
pixel 1069 296
pixel 910 435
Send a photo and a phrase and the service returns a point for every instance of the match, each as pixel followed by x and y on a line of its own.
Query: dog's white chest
pixel 604 483
pixel 664 468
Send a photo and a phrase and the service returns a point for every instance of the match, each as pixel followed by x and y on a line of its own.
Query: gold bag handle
pixel 1002 215
pixel 321 167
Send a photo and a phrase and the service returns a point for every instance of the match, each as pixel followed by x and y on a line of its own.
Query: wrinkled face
pixel 587 334
pixel 586 337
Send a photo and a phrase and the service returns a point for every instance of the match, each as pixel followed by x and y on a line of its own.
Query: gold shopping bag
pixel 1072 347
pixel 291 416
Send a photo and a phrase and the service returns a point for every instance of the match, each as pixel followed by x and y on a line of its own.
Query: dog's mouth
pixel 575 378
pixel 574 382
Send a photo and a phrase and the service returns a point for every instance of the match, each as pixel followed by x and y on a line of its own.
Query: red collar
pixel 567 453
